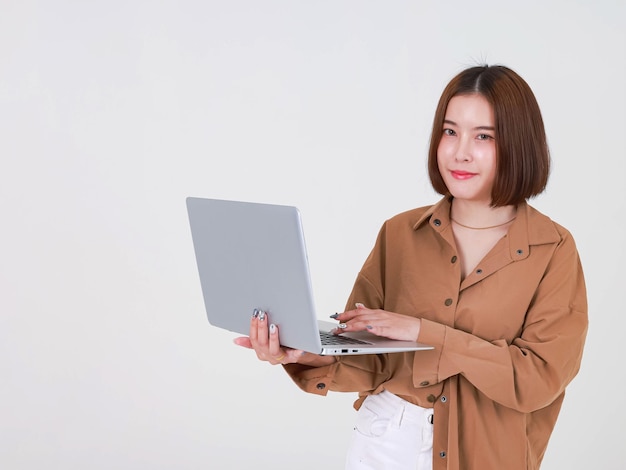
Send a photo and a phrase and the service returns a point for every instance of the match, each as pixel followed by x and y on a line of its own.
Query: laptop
pixel 252 256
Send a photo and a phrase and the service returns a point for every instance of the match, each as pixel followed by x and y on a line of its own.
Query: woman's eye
pixel 448 132
pixel 484 137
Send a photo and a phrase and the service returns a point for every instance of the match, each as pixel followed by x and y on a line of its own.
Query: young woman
pixel 494 285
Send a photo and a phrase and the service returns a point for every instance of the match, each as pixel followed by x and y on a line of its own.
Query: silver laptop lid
pixel 253 256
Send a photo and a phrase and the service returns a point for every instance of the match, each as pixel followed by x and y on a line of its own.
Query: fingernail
pixel 342 326
pixel 369 327
pixel 272 328
pixel 359 305
pixel 261 315
pixel 334 316
pixel 255 313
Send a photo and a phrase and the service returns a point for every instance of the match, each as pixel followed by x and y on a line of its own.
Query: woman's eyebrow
pixel 477 128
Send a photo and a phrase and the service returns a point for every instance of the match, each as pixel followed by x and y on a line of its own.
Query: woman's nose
pixel 463 151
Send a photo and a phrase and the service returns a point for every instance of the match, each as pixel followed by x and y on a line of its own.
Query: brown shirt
pixel 508 338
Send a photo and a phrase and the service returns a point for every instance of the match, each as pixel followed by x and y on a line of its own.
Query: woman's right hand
pixel 264 339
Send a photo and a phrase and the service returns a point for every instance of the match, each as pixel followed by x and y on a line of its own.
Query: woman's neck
pixel 480 215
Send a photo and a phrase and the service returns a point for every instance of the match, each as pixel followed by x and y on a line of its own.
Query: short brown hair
pixel 522 155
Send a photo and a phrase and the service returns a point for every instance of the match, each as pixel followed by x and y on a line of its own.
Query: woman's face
pixel 466 155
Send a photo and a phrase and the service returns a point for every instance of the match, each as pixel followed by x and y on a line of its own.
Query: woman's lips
pixel 461 175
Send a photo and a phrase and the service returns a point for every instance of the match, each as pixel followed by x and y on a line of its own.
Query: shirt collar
pixel 530 227
pixel 438 215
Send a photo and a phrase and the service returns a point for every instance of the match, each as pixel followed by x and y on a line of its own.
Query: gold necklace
pixel 483 228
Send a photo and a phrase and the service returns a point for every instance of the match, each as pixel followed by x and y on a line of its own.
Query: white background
pixel 112 112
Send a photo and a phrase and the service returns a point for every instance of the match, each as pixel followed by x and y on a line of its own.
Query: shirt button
pixel 431 398
pixel 448 302
pixel 444 399
pixel 424 383
pixel 520 252
pixel 442 455
pixel 437 222
pixel 321 386
pixel 453 260
pixel 479 271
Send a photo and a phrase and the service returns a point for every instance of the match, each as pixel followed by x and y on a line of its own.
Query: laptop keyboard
pixel 331 339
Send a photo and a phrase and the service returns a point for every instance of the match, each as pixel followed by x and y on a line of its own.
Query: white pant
pixel 391 434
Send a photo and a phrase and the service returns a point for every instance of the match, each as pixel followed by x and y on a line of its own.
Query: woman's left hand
pixel 379 322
